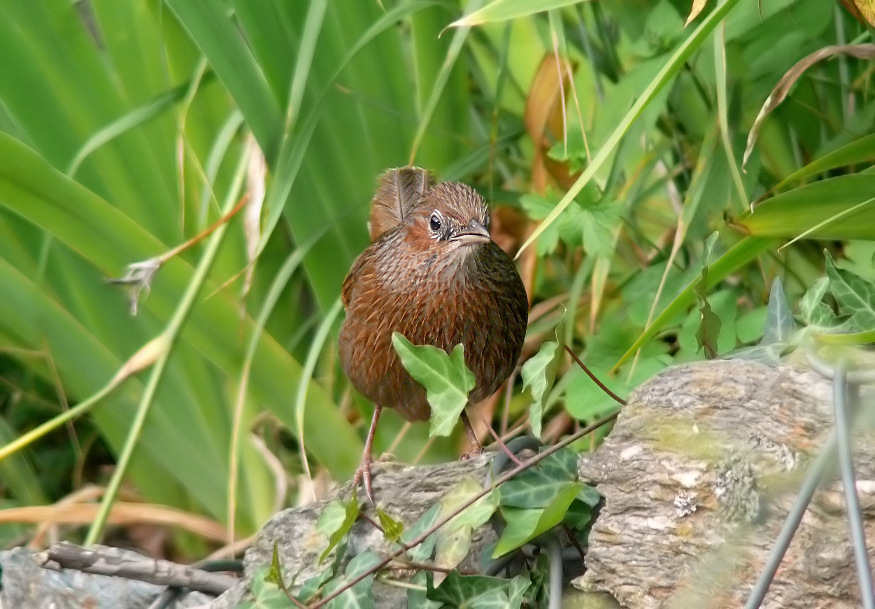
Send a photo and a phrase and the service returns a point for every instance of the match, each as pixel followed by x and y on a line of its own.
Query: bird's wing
pixel 349 282
pixel 398 191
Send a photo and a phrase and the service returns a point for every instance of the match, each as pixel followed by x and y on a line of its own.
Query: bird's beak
pixel 473 233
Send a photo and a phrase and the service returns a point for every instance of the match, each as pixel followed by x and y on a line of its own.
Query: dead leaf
pixel 256 176
pixel 860 51
pixel 862 10
pixel 867 9
pixel 543 116
pixel 698 6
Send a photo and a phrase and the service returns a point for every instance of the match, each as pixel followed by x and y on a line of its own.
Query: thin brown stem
pixel 428 567
pixel 594 378
pixel 203 234
pixel 371 521
pixel 501 444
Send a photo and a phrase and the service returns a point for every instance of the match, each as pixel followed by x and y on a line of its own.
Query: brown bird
pixel 433 274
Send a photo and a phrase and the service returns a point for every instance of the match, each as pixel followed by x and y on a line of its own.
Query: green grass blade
pixel 502 10
pixel 859 152
pixel 107 239
pixel 135 118
pixel 835 208
pixel 213 31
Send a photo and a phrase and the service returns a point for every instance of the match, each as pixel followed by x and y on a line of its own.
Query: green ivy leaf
pixel 812 308
pixel 780 325
pixel 336 520
pixel 589 496
pixel 423 551
pixel 311 586
pixel 537 486
pixel 474 515
pixel 267 595
pixel 454 539
pixel 392 529
pixel 538 593
pixel 579 515
pixel 359 596
pixel 480 591
pixel 416 594
pixel 446 379
pixel 452 547
pixel 526 524
pixel 518 587
pixel 855 295
pixel 538 374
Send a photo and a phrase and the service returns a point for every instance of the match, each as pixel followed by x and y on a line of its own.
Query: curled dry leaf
pixel 862 10
pixel 543 116
pixel 860 51
pixel 147 355
pixel 509 228
pixel 256 175
pixel 698 6
pixel 867 10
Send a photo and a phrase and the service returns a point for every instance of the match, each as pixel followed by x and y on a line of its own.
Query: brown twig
pixel 205 233
pixel 594 378
pixel 372 522
pixel 572 537
pixel 429 567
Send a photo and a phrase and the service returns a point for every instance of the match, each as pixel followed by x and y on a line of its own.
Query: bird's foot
pixel 476 447
pixel 363 474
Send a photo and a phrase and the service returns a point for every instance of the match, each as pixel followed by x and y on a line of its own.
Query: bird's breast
pixel 475 299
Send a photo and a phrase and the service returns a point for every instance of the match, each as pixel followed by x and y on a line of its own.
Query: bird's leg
pixel 476 447
pixel 363 473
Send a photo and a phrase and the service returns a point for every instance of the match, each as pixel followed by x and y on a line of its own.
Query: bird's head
pixel 451 217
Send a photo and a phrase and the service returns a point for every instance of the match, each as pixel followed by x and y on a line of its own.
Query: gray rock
pixel 405 492
pixel 27 585
pixel 698 475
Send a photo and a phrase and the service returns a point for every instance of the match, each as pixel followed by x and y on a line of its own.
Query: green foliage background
pixel 127 127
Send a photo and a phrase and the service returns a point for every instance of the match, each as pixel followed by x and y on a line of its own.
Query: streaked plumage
pixel 437 278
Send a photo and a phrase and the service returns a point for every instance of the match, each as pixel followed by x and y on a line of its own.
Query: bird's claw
pixel 474 452
pixel 363 474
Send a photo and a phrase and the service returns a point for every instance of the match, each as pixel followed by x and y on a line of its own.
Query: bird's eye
pixel 435 222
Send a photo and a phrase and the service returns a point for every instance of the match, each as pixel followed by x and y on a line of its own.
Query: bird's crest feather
pixel 398 192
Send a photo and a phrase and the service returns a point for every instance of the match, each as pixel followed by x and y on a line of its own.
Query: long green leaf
pixel 212 30
pixel 107 239
pixel 836 208
pixel 502 10
pixel 860 151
